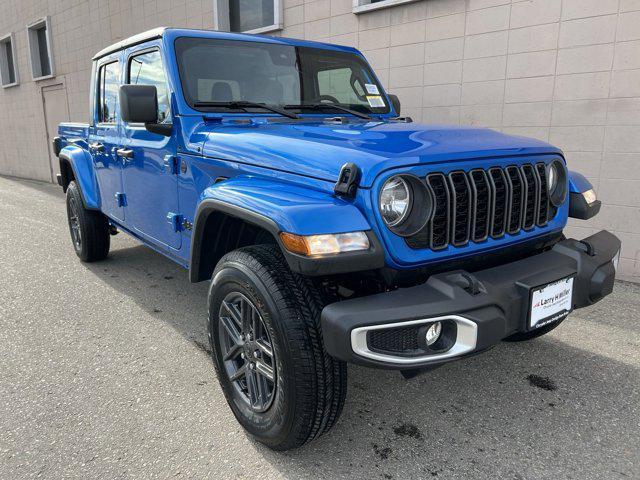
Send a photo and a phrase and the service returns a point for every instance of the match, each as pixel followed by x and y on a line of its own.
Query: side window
pixel 108 84
pixel 147 69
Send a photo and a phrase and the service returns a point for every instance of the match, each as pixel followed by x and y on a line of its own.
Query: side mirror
pixel 395 101
pixel 139 104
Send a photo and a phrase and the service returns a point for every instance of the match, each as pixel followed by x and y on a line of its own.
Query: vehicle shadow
pixel 539 409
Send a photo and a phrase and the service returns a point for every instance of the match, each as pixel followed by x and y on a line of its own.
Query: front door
pixel 105 137
pixel 150 175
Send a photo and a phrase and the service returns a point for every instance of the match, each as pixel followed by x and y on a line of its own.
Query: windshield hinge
pixel 348 180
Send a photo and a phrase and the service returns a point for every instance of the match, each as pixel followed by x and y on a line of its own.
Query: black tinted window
pixel 221 71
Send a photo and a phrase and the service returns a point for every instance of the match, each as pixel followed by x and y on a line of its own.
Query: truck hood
pixel 319 149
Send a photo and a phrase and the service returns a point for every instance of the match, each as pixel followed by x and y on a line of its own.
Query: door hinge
pixel 171 164
pixel 121 199
pixel 178 222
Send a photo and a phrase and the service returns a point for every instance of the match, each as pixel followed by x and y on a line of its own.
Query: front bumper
pixel 481 308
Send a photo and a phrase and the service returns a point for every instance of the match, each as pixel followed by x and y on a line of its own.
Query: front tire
pixel 264 328
pixel 89 229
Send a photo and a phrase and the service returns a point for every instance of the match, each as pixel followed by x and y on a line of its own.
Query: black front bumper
pixel 494 302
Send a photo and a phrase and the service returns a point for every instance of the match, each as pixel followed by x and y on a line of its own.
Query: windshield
pixel 214 72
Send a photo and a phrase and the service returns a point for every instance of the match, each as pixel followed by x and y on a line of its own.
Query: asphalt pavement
pixel 104 373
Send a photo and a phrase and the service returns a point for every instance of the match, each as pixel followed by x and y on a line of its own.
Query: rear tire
pixel 89 229
pixel 306 394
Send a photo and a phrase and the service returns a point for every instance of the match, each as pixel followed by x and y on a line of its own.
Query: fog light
pixel 433 333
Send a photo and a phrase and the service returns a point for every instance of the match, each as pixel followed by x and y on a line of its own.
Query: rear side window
pixel 147 69
pixel 108 84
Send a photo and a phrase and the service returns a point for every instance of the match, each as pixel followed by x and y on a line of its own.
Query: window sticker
pixel 375 101
pixel 372 89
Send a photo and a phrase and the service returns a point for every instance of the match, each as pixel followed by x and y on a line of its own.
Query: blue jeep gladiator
pixel 332 229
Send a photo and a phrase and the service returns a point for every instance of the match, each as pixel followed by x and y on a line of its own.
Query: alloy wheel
pixel 247 351
pixel 74 224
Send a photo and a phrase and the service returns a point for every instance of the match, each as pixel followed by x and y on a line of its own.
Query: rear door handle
pixel 96 147
pixel 125 152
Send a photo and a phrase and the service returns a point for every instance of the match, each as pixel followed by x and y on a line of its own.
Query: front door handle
pixel 124 152
pixel 96 147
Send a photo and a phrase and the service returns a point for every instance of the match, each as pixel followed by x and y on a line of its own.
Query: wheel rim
pixel 247 351
pixel 74 224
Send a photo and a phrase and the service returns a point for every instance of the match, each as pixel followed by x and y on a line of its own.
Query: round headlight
pixel 406 204
pixel 552 181
pixel 395 201
pixel 557 182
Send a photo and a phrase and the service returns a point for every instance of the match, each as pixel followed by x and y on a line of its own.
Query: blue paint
pixel 578 183
pixel 282 170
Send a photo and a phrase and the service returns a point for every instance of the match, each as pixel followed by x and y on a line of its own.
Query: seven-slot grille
pixel 478 204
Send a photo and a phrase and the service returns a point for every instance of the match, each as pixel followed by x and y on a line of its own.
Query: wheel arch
pixel 225 227
pixel 76 165
pixel 269 207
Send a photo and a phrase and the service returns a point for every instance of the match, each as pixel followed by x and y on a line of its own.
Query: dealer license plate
pixel 551 302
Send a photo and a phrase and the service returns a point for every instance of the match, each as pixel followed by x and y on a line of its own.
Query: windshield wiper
pixel 335 106
pixel 243 105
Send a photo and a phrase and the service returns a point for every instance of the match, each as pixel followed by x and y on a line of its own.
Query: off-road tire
pixel 310 385
pixel 92 224
pixel 524 336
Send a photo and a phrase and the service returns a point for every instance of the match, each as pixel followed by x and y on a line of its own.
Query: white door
pixel 56 111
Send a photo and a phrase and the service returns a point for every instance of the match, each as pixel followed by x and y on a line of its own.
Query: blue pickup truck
pixel 332 229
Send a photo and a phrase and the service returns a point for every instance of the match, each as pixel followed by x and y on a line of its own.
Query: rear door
pixel 105 136
pixel 150 175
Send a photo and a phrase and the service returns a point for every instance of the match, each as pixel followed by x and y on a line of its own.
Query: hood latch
pixel 348 181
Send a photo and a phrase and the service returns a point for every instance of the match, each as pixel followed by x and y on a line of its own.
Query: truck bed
pixel 73 131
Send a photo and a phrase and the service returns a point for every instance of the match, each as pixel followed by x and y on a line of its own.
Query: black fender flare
pixel 329 265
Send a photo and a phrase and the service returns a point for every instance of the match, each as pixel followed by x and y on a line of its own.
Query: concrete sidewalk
pixel 104 373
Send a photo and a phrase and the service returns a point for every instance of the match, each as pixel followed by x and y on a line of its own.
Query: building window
pixel 8 70
pixel 362 6
pixel 248 16
pixel 39 36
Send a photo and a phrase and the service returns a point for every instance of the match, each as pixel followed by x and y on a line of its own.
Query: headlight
pixel 395 201
pixel 557 182
pixel 406 204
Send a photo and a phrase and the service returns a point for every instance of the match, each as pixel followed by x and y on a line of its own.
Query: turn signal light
pixel 311 245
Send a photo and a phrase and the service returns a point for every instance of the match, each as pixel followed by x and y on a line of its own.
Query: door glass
pixel 147 69
pixel 108 83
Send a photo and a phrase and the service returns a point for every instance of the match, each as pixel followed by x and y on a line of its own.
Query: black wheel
pixel 264 328
pixel 524 336
pixel 89 229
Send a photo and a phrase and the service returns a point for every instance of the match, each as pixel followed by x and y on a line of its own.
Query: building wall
pixel 564 71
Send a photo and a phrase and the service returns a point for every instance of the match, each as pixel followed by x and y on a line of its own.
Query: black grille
pixel 543 212
pixel 482 202
pixel 476 205
pixel 394 340
pixel 517 188
pixel 461 208
pixel 439 225
pixel 533 193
